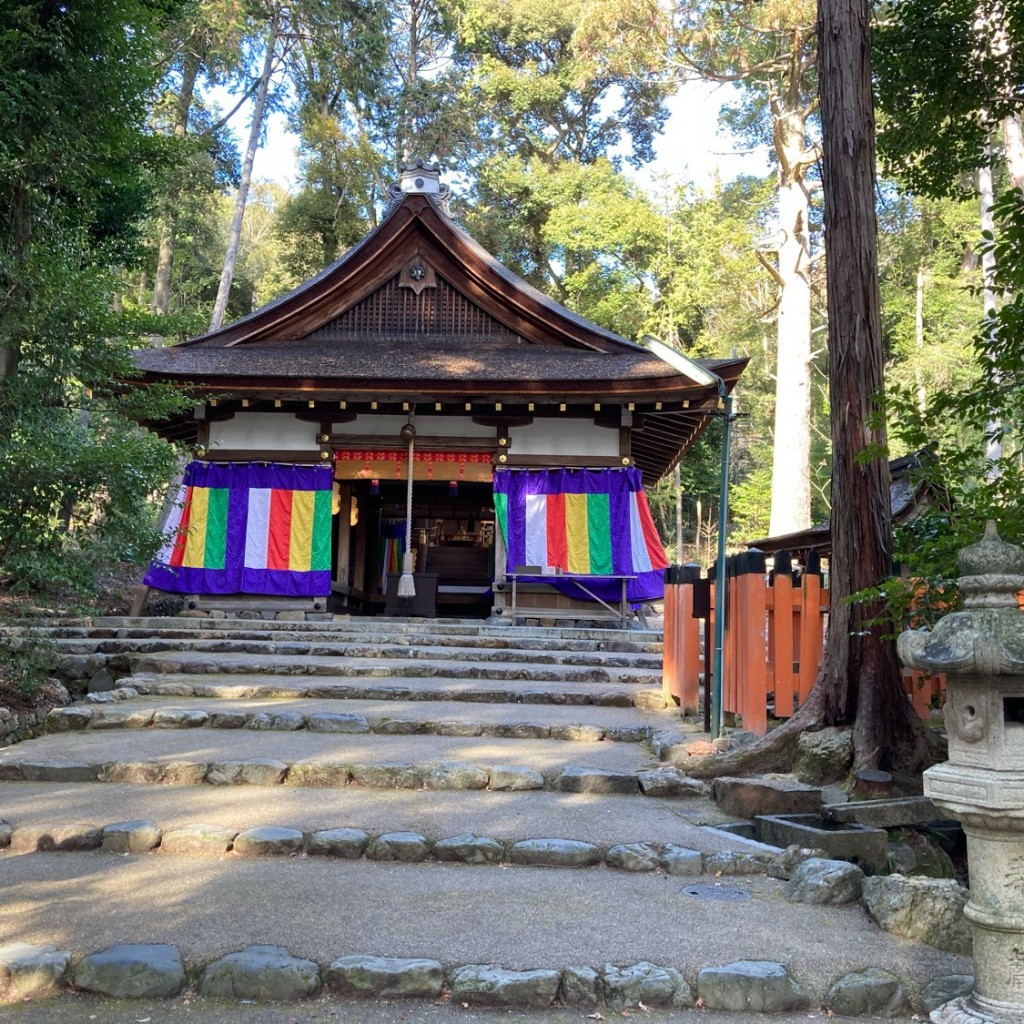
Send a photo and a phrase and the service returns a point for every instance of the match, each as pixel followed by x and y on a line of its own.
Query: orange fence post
pixel 690 662
pixel 752 653
pixel 782 635
pixel 812 627
pixel 670 681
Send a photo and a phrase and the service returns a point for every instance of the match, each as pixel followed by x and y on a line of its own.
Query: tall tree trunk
pixel 791 461
pixel 986 196
pixel 235 232
pixel 169 227
pixel 1013 147
pixel 859 681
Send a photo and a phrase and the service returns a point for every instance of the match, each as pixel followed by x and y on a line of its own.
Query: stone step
pixel 187 756
pixel 368 648
pixel 112 625
pixel 508 817
pixel 554 919
pixel 234 686
pixel 588 723
pixel 286 632
pixel 142 836
pixel 363 667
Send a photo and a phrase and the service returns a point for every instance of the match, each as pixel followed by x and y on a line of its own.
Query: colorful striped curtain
pixel 588 522
pixel 248 529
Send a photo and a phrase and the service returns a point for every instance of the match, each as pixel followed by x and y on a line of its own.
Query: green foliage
pixel 77 165
pixel 24 664
pixel 946 72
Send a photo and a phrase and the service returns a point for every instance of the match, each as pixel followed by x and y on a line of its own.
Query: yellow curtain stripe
pixel 195 543
pixel 577 534
pixel 301 540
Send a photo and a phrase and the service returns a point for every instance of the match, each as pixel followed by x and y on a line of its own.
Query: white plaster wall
pixel 269 431
pixel 563 437
pixel 428 426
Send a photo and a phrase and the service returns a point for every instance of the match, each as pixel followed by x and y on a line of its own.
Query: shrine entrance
pixel 452 541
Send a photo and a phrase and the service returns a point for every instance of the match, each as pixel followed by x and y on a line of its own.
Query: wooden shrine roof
pixel 419 311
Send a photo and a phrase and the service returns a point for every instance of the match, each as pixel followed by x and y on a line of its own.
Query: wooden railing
pixel 774 636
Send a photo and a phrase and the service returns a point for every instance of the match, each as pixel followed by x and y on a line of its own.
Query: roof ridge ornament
pixel 423 178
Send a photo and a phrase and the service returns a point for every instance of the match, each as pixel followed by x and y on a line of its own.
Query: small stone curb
pixel 141 836
pixel 267 973
pixel 316 773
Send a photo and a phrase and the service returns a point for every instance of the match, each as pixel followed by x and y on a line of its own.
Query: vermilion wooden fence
pixel 774 636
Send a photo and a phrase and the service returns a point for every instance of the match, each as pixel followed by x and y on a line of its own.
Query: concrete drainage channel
pixel 270 974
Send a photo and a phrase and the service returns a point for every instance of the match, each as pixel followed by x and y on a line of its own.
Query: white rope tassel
pixel 406 583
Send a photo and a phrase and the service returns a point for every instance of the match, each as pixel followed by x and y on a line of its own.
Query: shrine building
pixel 418 398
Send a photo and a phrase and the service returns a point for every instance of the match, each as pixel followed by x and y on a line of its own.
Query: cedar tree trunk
pixel 859 682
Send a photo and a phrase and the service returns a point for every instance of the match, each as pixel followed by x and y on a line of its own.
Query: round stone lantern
pixel 981 652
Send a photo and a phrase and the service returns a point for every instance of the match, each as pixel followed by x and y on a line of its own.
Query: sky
pixel 691 148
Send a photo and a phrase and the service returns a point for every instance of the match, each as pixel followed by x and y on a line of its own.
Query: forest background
pixel 130 217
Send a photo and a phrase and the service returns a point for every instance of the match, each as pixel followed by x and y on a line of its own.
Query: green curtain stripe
pixel 215 551
pixel 599 533
pixel 320 553
pixel 501 512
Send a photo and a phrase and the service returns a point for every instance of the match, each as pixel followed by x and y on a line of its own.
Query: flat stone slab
pixel 32 972
pixel 381 977
pixel 261 973
pixel 748 798
pixel 132 972
pixel 758 986
pixel 484 985
pixel 911 810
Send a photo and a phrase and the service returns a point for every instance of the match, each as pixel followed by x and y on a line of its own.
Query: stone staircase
pixel 506 804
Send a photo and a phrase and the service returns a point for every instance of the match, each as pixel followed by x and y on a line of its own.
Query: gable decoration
pixel 248 529
pixel 585 522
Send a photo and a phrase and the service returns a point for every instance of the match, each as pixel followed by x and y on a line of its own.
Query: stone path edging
pixel 665 781
pixel 271 974
pixel 142 836
pixel 95 713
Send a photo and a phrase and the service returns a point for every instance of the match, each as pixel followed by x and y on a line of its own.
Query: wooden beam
pixel 261 455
